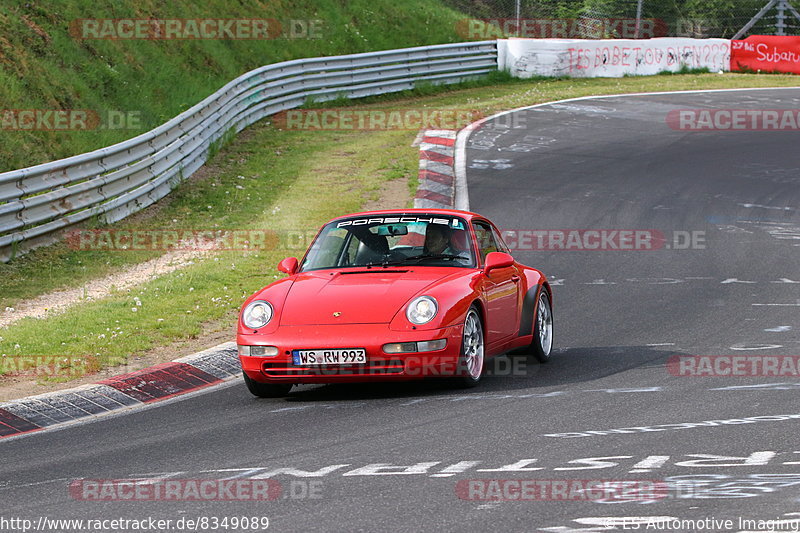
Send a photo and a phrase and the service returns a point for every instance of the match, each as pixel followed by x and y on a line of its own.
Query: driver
pixel 439 241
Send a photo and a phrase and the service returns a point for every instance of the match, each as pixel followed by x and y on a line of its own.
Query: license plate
pixel 329 357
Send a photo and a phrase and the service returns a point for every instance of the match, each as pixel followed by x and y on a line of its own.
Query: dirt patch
pixel 59 301
pixel 36 29
pixel 393 195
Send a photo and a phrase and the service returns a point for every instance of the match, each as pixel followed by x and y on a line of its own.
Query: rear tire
pixel 267 390
pixel 542 344
pixel 471 361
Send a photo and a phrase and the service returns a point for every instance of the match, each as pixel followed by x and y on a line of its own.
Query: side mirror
pixel 288 266
pixel 497 260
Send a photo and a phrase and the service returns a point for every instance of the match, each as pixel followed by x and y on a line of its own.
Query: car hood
pixel 355 296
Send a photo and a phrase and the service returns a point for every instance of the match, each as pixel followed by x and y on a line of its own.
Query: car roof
pixel 445 212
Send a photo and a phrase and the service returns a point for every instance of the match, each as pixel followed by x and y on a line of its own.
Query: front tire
pixel 267 390
pixel 542 344
pixel 471 361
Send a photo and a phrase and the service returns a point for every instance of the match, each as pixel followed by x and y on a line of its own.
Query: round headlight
pixel 422 310
pixel 257 314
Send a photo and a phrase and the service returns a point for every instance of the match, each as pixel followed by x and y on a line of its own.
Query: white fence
pixel 580 58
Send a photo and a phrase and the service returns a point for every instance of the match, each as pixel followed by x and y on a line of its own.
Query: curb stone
pixel 156 383
pixel 436 188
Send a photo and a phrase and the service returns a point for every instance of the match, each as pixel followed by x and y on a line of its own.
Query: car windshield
pixel 390 240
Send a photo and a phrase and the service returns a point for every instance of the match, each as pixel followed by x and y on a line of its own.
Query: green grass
pixel 42 66
pixel 287 180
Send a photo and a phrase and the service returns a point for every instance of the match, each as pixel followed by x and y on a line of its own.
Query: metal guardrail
pixel 38 203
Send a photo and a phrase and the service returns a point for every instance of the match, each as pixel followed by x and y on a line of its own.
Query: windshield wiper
pixel 437 256
pixel 392 262
pixel 416 258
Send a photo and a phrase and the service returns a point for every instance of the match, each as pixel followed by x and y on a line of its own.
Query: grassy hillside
pixel 43 66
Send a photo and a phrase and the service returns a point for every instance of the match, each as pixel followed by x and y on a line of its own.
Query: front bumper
pixel 380 366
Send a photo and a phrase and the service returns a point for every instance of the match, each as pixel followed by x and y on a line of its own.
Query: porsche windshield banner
pixel 454 222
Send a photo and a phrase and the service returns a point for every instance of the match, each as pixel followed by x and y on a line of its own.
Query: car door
pixel 500 287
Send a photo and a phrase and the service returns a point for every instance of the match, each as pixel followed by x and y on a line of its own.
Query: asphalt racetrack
pixel 613 405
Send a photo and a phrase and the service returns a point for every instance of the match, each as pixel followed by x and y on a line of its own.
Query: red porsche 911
pixel 394 295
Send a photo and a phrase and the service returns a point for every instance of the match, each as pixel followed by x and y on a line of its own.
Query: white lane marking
pixel 792 462
pixel 584 108
pixel 735 280
pixel 661 344
pixel 494 164
pixel 488 506
pixel 348 405
pixel 618 391
pixel 762 386
pixel 742 346
pixel 692 461
pixel 520 466
pixel 774 208
pixel 754 459
pixel 386 469
pixel 61 479
pixel 298 408
pixel 779 329
pixel 650 463
pixel 414 401
pixel 594 463
pixel 778 305
pixel 656 281
pixel 730 228
pixel 461 199
pixel 458 468
pixel 676 426
pixel 265 474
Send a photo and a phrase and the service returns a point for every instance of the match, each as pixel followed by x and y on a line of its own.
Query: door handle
pixel 515 278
